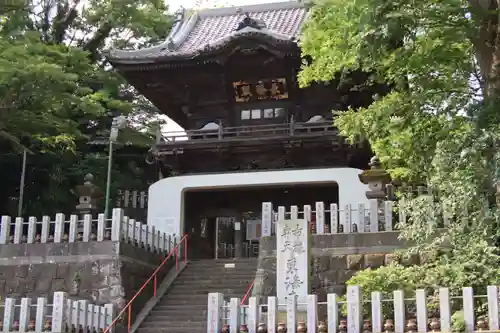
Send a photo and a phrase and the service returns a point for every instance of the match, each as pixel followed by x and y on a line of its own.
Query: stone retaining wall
pixel 101 272
pixel 335 259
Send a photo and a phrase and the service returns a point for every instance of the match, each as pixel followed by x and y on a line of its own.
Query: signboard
pixel 270 89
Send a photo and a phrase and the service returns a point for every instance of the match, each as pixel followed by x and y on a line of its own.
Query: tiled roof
pixel 213 28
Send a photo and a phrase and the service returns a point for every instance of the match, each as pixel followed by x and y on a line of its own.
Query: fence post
pixel 5 230
pixel 267 211
pixel 101 223
pixel 44 236
pixel 8 314
pixel 110 315
pixel 377 311
pixel 30 239
pixel 18 230
pixel 234 315
pixel 388 215
pixel 468 306
pixel 312 313
pixel 291 314
pixel 214 312
pixel 24 314
pixel 492 292
pixel 421 300
pixel 399 311
pixel 333 313
pixel 320 217
pixel 59 305
pixel 116 224
pixel 272 314
pixel 253 314
pixel 59 228
pixel 354 309
pixel 83 308
pixel 294 212
pixel 41 312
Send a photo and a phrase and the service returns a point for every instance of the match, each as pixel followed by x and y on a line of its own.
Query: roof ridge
pixel 233 10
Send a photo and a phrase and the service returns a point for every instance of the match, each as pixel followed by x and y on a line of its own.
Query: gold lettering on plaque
pixel 269 89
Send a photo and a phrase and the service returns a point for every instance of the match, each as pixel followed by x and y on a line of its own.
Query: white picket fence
pixel 397 314
pixel 62 315
pixel 60 230
pixel 333 220
pixel 132 199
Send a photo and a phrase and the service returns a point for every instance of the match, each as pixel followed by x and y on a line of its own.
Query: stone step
pixel 210 278
pixel 177 317
pixel 221 262
pixel 171 330
pixel 204 291
pixel 221 282
pixel 180 307
pixel 177 313
pixel 173 324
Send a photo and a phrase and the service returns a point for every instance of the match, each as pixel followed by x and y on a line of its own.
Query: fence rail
pixel 74 229
pixel 421 312
pixel 61 315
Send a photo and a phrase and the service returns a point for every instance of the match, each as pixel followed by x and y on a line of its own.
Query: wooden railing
pixel 248 133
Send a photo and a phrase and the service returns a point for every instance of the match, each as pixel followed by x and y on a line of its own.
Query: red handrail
pixel 154 278
pixel 247 293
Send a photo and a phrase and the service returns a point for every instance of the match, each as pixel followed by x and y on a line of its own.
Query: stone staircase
pixel 184 306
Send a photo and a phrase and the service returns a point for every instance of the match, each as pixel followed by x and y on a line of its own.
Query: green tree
pixel 57 90
pixel 438 124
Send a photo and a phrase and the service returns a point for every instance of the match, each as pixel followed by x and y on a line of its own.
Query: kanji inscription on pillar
pixel 292 243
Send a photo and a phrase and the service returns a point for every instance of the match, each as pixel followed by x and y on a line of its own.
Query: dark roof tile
pixel 213 27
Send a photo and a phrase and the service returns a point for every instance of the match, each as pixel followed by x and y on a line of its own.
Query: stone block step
pixel 162 330
pixel 216 278
pixel 232 291
pixel 177 318
pixel 172 324
pixel 180 307
pixel 170 330
pixel 177 313
pixel 187 285
pixel 222 262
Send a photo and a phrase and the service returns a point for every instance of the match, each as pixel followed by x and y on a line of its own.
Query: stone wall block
pixel 337 262
pixel 426 256
pixel 374 260
pixel 410 260
pixel 342 276
pixel 391 258
pixel 354 261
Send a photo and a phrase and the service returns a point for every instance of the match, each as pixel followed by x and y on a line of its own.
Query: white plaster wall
pixel 165 200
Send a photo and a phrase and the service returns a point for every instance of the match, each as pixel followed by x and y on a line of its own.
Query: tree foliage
pixel 57 91
pixel 438 124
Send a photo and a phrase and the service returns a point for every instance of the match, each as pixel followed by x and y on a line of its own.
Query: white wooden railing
pixel 420 312
pixel 59 314
pixel 76 229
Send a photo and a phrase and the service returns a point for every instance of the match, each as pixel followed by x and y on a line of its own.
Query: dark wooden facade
pixel 229 77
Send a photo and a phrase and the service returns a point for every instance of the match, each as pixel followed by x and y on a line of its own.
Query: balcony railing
pixel 248 134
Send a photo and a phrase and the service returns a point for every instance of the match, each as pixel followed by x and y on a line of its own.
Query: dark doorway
pixel 240 208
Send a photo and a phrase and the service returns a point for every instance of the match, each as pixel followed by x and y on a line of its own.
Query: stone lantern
pixel 88 194
pixel 377 180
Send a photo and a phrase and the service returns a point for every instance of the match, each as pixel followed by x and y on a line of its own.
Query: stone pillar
pixel 238 240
